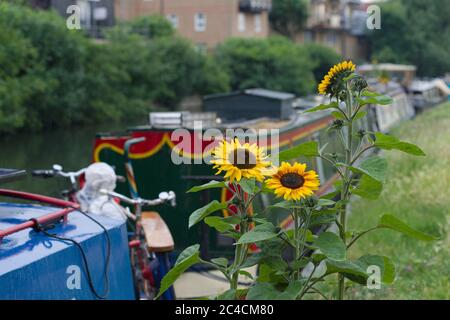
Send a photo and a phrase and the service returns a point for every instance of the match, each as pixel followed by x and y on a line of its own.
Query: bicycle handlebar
pixel 163 198
pixel 43 173
pixel 57 171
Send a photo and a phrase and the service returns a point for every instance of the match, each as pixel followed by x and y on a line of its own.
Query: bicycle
pixel 150 244
pixel 151 241
pixel 57 171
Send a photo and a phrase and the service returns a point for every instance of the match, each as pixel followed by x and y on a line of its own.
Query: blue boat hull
pixel 34 266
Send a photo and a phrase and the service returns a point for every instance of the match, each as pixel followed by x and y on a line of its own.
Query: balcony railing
pixel 255 6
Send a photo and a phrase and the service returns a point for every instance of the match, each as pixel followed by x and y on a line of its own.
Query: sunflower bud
pixel 337 124
pixel 361 133
pixel 311 202
pixel 360 84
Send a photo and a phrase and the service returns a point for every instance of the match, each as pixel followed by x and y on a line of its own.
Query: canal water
pixel 71 148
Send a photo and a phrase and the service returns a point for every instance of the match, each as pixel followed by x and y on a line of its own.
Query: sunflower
pixel 292 182
pixel 239 161
pixel 338 71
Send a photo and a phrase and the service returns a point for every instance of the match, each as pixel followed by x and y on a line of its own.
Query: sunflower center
pixel 243 158
pixel 292 180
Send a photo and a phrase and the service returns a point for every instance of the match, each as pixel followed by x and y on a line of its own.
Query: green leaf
pixel 325 202
pixel 318 258
pixel 292 291
pixel 391 222
pixel 320 219
pixel 332 105
pixel 368 188
pixel 261 232
pixel 246 273
pixel 347 267
pixel 262 291
pixel 309 235
pixel 374 98
pixel 338 115
pixel 228 295
pixel 359 115
pixel 186 259
pixel 375 167
pixel 266 291
pixel 233 294
pixel 209 185
pixel 387 142
pixel 308 149
pixel 248 185
pixel 222 262
pixel 199 214
pixel 233 219
pixel 218 223
pixel 331 245
pixel 287 205
pixel 387 267
pixel 186 253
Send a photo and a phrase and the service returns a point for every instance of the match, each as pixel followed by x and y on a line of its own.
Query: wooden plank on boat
pixel 157 234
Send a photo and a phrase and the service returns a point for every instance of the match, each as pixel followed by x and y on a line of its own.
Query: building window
pixel 173 19
pixel 241 22
pixel 258 23
pixel 100 13
pixel 331 39
pixel 308 35
pixel 200 22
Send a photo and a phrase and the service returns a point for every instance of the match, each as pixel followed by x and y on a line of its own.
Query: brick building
pixel 207 23
pixel 338 24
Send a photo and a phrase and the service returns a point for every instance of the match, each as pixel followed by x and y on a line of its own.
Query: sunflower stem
pixel 297 242
pixel 346 183
pixel 241 249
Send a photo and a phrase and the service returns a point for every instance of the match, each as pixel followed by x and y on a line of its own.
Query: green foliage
pixel 201 213
pixel 151 27
pixel 288 17
pixel 423 40
pixel 15 87
pixel 210 185
pixel 261 232
pixel 331 246
pixel 322 58
pixel 308 149
pixel 391 222
pixel 416 192
pixel 186 259
pixel 58 77
pixel 56 71
pixel 389 143
pixel 273 63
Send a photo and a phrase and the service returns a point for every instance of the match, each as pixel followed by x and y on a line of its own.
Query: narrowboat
pixel 428 93
pixel 37 262
pixel 249 109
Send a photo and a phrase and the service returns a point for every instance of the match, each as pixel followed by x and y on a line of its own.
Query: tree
pixel 15 85
pixel 150 27
pixel 322 58
pixel 288 17
pixel 407 37
pixel 275 63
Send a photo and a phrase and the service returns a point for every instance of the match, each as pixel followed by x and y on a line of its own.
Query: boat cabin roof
pixel 257 92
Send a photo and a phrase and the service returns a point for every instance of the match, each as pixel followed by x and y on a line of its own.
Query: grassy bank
pixel 417 191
